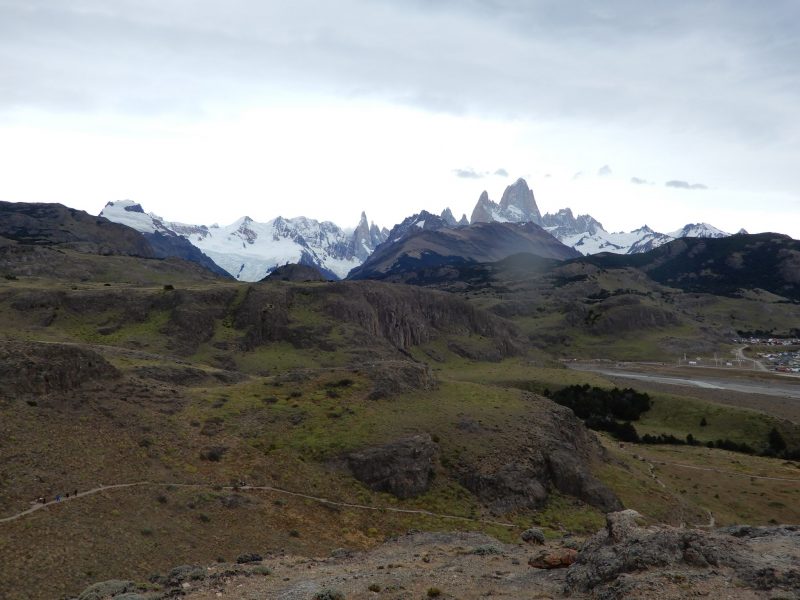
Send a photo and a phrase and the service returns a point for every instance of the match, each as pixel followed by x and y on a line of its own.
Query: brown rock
pixel 559 558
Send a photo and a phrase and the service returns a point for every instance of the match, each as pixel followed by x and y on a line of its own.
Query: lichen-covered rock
pixel 403 468
pixel 768 561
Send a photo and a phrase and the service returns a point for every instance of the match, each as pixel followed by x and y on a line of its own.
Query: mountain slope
pixel 42 224
pixel 481 242
pixel 767 261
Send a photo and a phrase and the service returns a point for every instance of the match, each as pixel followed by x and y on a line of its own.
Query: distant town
pixel 781 361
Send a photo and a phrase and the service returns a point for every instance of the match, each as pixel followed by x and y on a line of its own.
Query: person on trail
pixel 58 498
pixel 75 493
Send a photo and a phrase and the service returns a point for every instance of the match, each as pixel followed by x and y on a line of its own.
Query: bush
pixel 214 454
pixel 434 592
pixel 487 550
pixel 329 594
pixel 104 589
pixel 253 557
pixel 374 587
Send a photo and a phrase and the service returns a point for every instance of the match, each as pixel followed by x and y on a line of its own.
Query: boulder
pixel 403 468
pixel 557 558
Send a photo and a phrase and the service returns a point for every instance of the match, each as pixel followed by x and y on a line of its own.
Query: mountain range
pixel 249 250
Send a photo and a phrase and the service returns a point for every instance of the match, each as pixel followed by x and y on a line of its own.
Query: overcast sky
pixel 204 111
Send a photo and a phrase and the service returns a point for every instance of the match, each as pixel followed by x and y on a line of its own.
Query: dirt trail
pixel 757 364
pixel 266 488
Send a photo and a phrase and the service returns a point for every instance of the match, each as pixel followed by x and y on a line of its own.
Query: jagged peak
pixel 447 216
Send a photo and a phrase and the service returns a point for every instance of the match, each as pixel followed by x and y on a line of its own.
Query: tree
pixel 703 422
pixel 776 441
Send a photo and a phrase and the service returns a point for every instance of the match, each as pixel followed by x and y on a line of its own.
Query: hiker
pixel 58 498
pixel 75 493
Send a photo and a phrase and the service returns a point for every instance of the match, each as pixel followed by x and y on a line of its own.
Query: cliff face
pixel 398 316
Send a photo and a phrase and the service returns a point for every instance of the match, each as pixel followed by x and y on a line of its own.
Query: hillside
pixel 481 242
pixel 722 266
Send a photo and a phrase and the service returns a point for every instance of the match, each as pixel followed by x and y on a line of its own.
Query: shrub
pixel 487 550
pixel 374 587
pixel 329 594
pixel 214 454
pixel 434 592
pixel 253 557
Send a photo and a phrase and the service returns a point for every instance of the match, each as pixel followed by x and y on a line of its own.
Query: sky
pixel 633 111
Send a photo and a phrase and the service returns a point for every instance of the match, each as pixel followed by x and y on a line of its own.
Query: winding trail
pixel 265 488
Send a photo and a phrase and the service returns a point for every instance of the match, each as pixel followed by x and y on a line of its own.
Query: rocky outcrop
pixel 403 468
pixel 396 377
pixel 557 455
pixel 628 558
pixel 39 368
pixel 294 272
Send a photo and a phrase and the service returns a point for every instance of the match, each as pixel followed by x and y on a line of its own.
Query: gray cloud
pixel 501 173
pixel 468 174
pixel 144 55
pixel 723 71
pixel 639 181
pixel 685 185
pixel 604 171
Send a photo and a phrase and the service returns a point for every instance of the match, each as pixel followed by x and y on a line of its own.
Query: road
pixel 767 388
pixel 757 364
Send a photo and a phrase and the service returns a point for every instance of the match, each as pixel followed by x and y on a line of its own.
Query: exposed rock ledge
pixel 625 561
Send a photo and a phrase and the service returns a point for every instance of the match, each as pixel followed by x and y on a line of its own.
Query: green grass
pixel 680 416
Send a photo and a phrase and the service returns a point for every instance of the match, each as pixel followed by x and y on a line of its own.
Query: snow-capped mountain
pixel 516 206
pixel 583 233
pixel 699 230
pixel 250 250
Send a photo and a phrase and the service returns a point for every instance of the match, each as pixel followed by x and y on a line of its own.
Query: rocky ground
pixel 625 560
